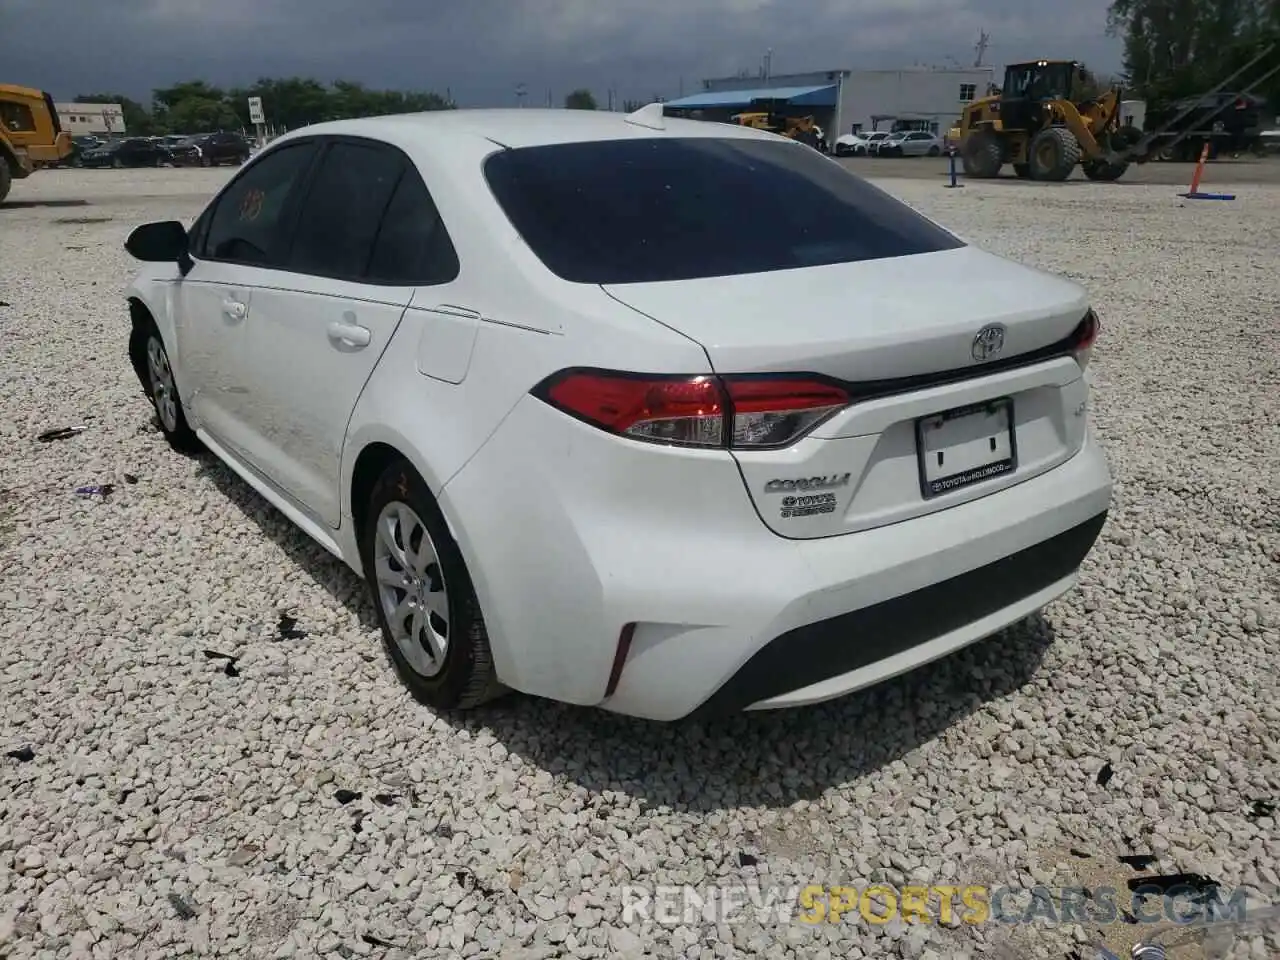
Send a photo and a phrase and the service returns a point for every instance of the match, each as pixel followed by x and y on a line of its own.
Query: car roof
pixel 529 127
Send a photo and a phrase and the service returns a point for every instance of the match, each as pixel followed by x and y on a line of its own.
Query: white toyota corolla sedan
pixel 658 415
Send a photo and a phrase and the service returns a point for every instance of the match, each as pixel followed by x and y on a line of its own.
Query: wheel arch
pixel 374 456
pixel 142 322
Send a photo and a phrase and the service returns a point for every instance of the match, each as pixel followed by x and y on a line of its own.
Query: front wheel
pixel 163 391
pixel 426 606
pixel 934 151
pixel 982 155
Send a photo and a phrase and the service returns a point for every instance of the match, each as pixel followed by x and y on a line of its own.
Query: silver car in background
pixel 910 143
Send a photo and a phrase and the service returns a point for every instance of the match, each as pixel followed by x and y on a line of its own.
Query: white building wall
pixel 931 95
pixel 80 119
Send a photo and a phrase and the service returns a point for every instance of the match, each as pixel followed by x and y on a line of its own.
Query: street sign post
pixel 256 116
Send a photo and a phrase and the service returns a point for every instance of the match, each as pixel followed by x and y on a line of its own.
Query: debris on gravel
pixel 151 807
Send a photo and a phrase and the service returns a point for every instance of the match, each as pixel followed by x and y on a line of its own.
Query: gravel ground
pixel 300 804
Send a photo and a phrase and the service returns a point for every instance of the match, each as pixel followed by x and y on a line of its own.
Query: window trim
pixel 289 213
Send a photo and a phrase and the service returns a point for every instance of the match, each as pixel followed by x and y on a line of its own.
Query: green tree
pixel 580 100
pixel 137 118
pixel 1179 48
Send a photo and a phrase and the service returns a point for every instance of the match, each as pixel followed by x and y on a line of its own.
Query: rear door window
pixel 664 208
pixel 340 215
pixel 413 248
pixel 250 224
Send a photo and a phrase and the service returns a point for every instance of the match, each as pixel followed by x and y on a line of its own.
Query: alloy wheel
pixel 162 387
pixel 411 588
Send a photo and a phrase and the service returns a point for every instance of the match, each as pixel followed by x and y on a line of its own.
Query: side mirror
pixel 161 242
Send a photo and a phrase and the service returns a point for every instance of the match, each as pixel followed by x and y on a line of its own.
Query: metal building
pixel 846 101
pixel 79 119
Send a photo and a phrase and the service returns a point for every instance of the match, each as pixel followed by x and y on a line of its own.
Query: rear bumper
pixel 821 660
pixel 572 535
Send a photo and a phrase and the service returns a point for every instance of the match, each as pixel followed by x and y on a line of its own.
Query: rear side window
pixel 655 209
pixel 339 220
pixel 413 248
pixel 249 223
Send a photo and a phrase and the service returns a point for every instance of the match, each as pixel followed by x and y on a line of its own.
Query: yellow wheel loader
pixel 30 134
pixel 1033 124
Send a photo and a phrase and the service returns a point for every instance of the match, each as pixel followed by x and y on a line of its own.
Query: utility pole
pixel 521 92
pixel 980 48
pixel 768 64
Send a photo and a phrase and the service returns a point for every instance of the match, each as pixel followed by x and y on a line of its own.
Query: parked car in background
pixel 187 152
pixel 855 144
pixel 129 152
pixel 440 344
pixel 213 149
pixel 910 143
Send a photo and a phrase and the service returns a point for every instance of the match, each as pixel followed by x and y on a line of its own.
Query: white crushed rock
pixel 173 810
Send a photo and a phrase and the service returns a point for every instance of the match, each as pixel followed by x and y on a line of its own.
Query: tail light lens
pixel 696 411
pixel 1083 338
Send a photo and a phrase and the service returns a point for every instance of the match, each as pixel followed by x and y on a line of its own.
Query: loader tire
pixel 982 156
pixel 1101 170
pixel 1053 154
pixel 6 178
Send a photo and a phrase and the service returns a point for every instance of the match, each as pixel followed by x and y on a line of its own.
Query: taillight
pixel 1084 336
pixel 749 412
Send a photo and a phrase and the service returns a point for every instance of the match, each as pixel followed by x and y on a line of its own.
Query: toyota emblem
pixel 989 342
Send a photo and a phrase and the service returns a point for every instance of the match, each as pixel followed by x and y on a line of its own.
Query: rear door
pixel 319 330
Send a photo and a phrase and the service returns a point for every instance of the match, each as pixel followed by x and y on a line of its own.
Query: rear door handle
pixel 349 335
pixel 234 309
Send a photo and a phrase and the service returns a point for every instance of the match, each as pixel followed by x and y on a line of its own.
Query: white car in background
pixel 631 448
pixel 914 143
pixel 858 144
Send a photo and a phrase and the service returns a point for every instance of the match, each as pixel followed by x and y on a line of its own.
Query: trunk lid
pixel 911 446
pixel 871 320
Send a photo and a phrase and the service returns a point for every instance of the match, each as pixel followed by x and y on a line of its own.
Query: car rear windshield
pixel 655 209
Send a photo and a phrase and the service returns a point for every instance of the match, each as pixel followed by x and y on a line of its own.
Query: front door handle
pixel 349 335
pixel 234 309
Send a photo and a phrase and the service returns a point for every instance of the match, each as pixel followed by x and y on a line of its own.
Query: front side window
pixel 247 225
pixel 666 208
pixel 339 218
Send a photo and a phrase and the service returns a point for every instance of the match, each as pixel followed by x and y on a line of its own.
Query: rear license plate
pixel 965 446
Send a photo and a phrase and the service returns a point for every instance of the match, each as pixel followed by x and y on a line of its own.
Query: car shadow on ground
pixel 768 759
pixel 31 204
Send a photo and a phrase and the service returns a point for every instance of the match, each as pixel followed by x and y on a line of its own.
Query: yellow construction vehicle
pixel 30 134
pixel 1033 124
pixel 805 129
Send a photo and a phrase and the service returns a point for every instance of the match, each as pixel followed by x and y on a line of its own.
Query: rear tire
pixel 982 155
pixel 414 566
pixel 934 151
pixel 6 179
pixel 1053 153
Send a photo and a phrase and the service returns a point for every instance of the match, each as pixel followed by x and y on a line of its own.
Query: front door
pixel 211 311
pixel 239 253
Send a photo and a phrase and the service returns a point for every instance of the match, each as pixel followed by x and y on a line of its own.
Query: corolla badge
pixel 988 343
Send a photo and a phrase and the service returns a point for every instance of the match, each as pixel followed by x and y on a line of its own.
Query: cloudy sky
pixel 481 49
